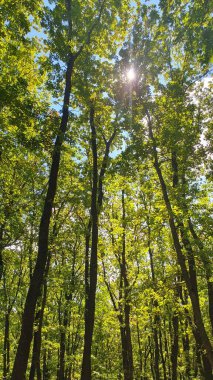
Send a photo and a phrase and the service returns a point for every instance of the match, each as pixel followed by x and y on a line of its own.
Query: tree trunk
pixel 174 350
pixel 186 242
pixel 140 354
pixel 62 351
pixel 61 371
pixel 92 232
pixel 126 331
pixel 156 354
pixel 163 357
pixel 6 352
pixel 1 251
pixel 155 304
pixel 189 278
pixel 208 269
pixel 46 375
pixel 92 272
pixel 22 354
pixel 35 364
pixel 186 349
pixel 191 263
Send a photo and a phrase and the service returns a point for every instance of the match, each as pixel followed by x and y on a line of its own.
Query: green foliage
pixel 169 46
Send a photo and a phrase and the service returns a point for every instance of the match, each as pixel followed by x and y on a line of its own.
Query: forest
pixel 106 147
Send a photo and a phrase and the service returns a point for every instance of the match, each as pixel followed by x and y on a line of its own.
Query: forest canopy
pixel 106 245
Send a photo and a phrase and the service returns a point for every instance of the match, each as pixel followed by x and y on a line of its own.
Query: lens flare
pixel 131 74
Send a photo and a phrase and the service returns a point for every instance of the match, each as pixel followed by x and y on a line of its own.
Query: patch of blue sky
pixel 116 152
pixel 162 79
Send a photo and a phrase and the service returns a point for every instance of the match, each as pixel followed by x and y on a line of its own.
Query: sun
pixel 131 74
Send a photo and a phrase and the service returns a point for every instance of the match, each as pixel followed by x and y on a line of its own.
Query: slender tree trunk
pixel 62 351
pixel 35 350
pixel 208 268
pixel 61 371
pixel 155 304
pixel 45 365
pixel 166 349
pixel 126 350
pixel 197 365
pixel 192 265
pixel 174 350
pixel 6 352
pixel 156 353
pixel 123 307
pixel 186 242
pixel 148 352
pixel 128 370
pixel 92 281
pixel 152 363
pixel 35 364
pixel 92 233
pixel 1 264
pixel 125 332
pixel 1 251
pixel 186 349
pixel 189 277
pixel 162 354
pixel 69 368
pixel 204 365
pixel 140 354
pixel 22 354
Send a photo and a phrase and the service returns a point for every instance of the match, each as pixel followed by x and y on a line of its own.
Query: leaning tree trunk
pixel 22 354
pixel 192 266
pixel 208 269
pixel 188 276
pixel 186 241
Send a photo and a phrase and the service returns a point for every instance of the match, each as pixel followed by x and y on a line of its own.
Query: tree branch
pixel 90 31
